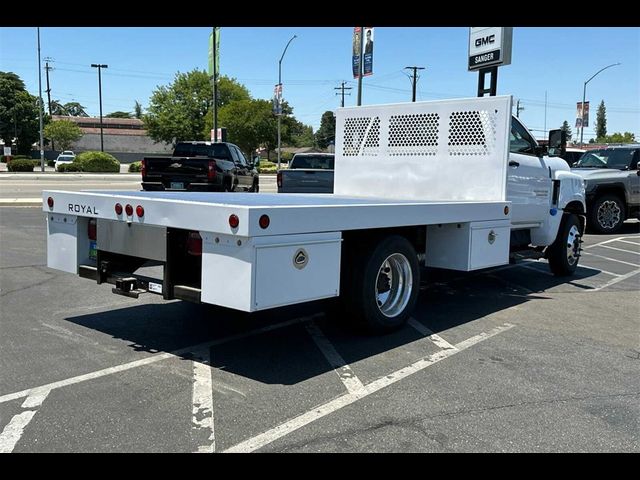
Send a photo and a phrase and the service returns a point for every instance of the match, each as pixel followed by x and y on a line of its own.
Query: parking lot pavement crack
pixel 345 438
pixel 532 403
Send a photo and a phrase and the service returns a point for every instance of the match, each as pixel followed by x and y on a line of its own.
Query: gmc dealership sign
pixel 489 46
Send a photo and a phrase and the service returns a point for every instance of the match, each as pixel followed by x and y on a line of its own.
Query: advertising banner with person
pixel 356 52
pixel 582 120
pixel 368 52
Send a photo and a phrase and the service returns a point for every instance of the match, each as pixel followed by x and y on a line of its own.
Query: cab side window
pixel 519 140
pixel 242 160
pixel 234 154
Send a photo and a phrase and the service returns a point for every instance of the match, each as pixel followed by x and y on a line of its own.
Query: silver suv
pixel 612 184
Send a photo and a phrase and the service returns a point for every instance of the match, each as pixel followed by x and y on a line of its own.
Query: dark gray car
pixel 612 185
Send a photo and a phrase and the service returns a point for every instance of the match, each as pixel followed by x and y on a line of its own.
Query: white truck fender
pixel 571 189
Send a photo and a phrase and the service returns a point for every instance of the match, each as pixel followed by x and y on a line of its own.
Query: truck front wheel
pixel 563 254
pixel 384 285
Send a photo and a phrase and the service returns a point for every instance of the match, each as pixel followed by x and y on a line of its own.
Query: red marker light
pixel 140 211
pixel 118 209
pixel 234 221
pixel 264 221
pixel 129 210
pixel 50 202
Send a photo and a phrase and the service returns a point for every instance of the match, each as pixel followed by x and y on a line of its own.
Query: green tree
pixel 74 109
pixel 178 112
pixel 57 108
pixel 18 113
pixel 230 90
pixel 327 131
pixel 566 128
pixel 137 110
pixel 601 121
pixel 249 123
pixel 63 133
pixel 626 137
pixel 119 114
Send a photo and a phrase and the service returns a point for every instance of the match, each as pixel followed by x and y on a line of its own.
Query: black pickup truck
pixel 200 166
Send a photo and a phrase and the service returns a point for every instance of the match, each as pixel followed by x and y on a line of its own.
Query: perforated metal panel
pixel 413 134
pixel 361 136
pixel 472 132
pixel 440 150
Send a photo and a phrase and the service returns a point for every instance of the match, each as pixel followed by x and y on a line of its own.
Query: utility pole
pixel 48 90
pixel 100 67
pixel 518 108
pixel 40 106
pixel 415 79
pixel 343 88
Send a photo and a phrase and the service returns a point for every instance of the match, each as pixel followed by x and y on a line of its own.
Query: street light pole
pixel 40 107
pixel 280 86
pixel 100 67
pixel 584 97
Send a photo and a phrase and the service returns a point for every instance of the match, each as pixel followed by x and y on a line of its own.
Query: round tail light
pixel 118 209
pixel 264 221
pixel 129 210
pixel 234 221
pixel 50 202
pixel 140 211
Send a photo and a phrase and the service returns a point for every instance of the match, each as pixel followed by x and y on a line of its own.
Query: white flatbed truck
pixel 454 184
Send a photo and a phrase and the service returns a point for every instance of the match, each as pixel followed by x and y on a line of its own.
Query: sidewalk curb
pixel 20 202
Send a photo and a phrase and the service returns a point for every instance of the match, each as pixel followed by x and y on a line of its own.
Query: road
pixel 31 185
pixel 506 360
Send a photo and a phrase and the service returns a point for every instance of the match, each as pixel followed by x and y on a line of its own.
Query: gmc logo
pixel 485 40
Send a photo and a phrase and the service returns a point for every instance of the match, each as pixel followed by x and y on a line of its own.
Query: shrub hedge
pixel 135 167
pixel 70 167
pixel 96 162
pixel 22 165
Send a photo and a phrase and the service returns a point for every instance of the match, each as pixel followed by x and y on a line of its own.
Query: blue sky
pixel 555 60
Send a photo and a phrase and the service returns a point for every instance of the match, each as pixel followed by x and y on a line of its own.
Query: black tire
pixel 255 187
pixel 365 274
pixel 607 214
pixel 563 253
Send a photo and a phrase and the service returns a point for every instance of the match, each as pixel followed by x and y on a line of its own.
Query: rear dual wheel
pixel 382 285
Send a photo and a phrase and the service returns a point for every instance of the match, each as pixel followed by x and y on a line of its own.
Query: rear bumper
pixel 189 187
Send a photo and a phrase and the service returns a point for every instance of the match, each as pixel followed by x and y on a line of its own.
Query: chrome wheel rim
pixel 394 284
pixel 609 214
pixel 573 245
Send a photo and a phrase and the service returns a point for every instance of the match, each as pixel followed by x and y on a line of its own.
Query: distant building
pixel 120 135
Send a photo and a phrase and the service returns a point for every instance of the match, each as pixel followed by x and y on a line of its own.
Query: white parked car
pixel 65 157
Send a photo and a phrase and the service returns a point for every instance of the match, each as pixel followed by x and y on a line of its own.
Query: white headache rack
pixel 448 150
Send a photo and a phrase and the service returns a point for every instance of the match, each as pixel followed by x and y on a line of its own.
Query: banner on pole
pixel 367 58
pixel 217 52
pixel 356 52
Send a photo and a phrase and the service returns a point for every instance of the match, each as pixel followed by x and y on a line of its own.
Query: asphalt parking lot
pixel 506 360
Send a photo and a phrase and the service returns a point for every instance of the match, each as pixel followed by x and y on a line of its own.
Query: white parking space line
pixel 582 265
pixel 610 259
pixel 152 359
pixel 349 379
pixel 14 430
pixel 321 411
pixel 203 419
pixel 632 243
pixel 599 244
pixel 616 280
pixel 437 339
pixel 619 249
